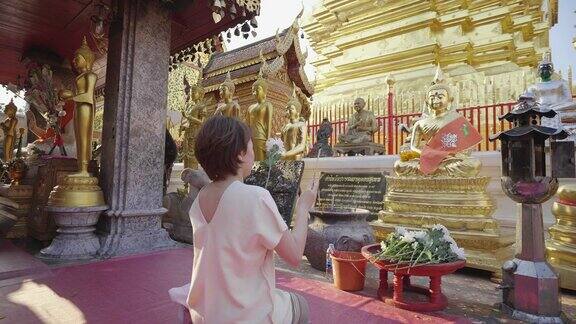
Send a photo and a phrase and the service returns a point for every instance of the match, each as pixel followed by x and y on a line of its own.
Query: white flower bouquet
pixel 417 248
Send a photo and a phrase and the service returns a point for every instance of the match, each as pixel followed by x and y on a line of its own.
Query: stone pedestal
pixel 51 171
pixel 360 149
pixel 561 246
pixel 461 204
pixel 15 201
pixel 76 239
pixel 530 285
pixel 132 160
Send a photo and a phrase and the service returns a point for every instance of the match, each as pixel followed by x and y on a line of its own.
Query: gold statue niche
pixel 81 189
pixel 294 133
pixel 453 194
pixel 260 114
pixel 227 106
pixel 9 128
pixel 194 115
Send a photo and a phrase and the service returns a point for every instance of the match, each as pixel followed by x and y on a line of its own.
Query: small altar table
pixel 394 294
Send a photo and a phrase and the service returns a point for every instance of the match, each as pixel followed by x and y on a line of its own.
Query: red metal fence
pixel 484 119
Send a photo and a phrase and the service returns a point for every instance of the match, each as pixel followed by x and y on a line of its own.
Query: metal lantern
pixel 530 285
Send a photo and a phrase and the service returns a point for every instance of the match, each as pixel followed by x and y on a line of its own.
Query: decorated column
pixel 134 124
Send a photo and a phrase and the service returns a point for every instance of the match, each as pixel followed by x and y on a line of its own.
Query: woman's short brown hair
pixel 218 144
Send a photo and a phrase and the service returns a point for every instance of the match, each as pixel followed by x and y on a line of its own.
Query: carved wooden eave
pixel 244 63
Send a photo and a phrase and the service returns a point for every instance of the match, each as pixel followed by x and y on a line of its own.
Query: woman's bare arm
pixel 291 245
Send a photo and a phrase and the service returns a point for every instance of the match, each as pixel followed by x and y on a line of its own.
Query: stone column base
pixel 75 239
pixel 130 234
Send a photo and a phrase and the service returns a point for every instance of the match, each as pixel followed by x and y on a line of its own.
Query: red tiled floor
pixel 135 290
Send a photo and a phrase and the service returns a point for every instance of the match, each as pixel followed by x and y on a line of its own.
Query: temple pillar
pixel 132 159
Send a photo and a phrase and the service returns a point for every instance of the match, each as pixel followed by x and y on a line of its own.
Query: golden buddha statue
pixel 81 189
pixel 438 182
pixel 295 132
pixel 260 118
pixel 362 125
pixel 458 164
pixel 9 129
pixel 227 106
pixel 194 115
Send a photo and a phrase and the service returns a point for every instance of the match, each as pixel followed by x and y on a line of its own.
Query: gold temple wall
pixel 489 49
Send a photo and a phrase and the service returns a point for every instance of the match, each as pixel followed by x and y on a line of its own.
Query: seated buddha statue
pixel 555 95
pixel 457 163
pixel 227 106
pixel 361 127
pixel 294 133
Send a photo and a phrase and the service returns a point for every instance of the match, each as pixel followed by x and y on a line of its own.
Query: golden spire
pixel 86 53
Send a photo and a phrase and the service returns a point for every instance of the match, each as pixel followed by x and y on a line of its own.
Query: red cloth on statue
pixel 69 109
pixel 455 137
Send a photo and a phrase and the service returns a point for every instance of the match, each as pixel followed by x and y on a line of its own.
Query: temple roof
pixel 58 26
pixel 244 63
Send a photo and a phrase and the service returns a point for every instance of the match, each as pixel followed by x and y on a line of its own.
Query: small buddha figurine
pixel 294 133
pixel 84 112
pixel 362 125
pixel 260 118
pixel 194 115
pixel 9 129
pixel 227 106
pixel 457 164
pixel 553 94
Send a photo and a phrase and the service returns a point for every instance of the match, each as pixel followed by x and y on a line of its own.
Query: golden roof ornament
pixel 86 53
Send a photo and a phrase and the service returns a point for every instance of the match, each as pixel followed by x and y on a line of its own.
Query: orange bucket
pixel 348 269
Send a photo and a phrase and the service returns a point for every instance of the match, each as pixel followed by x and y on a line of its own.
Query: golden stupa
pixel 489 49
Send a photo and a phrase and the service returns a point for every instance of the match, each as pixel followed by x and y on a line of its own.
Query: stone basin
pixel 346 228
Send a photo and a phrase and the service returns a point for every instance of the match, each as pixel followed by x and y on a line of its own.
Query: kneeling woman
pixel 237 228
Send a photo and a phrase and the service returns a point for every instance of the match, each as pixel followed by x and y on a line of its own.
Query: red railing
pixel 484 119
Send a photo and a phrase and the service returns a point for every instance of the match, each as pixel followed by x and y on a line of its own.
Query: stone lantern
pixel 529 284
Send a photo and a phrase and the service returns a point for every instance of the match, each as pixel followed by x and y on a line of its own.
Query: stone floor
pixel 470 292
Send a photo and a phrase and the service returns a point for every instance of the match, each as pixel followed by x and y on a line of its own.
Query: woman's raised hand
pixel 308 198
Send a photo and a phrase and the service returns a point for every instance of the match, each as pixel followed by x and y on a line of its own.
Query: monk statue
pixel 260 118
pixel 555 95
pixel 294 133
pixel 9 129
pixel 362 125
pixel 227 106
pixel 454 162
pixel 194 115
